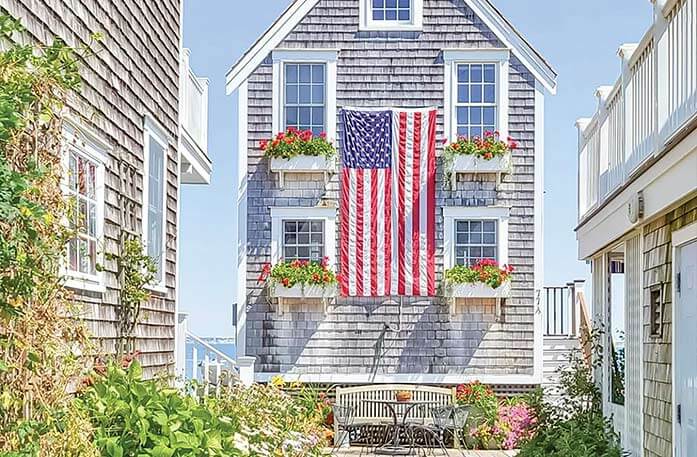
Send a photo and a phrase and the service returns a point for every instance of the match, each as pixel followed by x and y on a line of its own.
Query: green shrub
pixel 135 417
pixel 575 426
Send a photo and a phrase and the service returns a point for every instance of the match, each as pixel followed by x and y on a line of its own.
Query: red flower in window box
pixel 294 142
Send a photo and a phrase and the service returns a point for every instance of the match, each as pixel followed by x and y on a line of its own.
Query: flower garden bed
pixel 300 279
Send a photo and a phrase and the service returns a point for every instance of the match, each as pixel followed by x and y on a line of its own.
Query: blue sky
pixel 580 39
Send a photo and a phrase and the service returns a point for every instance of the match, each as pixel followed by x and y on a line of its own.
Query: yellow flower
pixel 278 381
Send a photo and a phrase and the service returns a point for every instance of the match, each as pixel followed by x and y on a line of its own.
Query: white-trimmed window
pixel 476 92
pixel 304 90
pixel 475 233
pixel 303 233
pixel 391 15
pixel 83 184
pixel 155 198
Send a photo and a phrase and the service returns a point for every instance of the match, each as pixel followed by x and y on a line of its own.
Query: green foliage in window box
pixel 486 271
pixel 294 142
pixel 304 272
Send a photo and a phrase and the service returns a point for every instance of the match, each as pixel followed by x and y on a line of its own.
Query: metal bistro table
pixel 395 448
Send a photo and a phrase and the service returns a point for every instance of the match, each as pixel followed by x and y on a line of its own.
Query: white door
pixel 685 353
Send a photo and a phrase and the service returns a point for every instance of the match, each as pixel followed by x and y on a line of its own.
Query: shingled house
pixel 136 132
pixel 460 56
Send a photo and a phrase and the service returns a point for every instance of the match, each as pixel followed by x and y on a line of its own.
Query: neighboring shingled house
pixel 137 131
pixel 466 59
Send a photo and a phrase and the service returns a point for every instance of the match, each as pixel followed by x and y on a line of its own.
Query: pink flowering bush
pixel 514 425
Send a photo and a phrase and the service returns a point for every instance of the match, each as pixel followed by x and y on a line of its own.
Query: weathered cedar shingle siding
pixel 134 71
pixel 658 370
pixel 405 70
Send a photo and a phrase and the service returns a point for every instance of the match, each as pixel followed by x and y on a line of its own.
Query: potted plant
pixel 295 151
pixel 300 279
pixel 403 396
pixel 485 279
pixel 489 154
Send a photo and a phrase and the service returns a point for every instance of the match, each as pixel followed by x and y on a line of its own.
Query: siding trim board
pixel 483 9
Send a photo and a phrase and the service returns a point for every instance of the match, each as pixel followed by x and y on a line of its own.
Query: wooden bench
pixel 366 412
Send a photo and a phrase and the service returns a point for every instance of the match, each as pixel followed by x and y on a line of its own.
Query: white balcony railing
pixel 194 124
pixel 654 98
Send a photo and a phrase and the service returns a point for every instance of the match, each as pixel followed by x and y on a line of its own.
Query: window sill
pixel 393 27
pixel 159 289
pixel 308 292
pixel 84 284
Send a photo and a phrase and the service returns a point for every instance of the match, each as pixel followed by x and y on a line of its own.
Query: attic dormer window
pixel 391 15
pixel 392 10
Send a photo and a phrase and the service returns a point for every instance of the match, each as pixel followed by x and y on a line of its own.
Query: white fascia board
pixel 539 221
pixel 512 39
pixel 503 30
pixel 476 54
pixel 270 40
pixel 241 173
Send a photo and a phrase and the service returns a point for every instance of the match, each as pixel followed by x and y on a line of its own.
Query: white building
pixel 638 227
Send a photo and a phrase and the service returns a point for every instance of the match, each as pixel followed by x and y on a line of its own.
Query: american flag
pixel 388 195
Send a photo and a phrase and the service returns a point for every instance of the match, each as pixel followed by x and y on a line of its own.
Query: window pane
pixel 316 226
pixel 291 238
pixel 305 74
pixel 390 3
pixel 489 115
pixel 475 115
pixel 462 238
pixel 475 252
pixel 489 238
pixel 476 132
pixel 156 205
pixel 304 96
pixel 317 94
pixel 489 253
pixel 463 93
pixel 403 15
pixel 489 93
pixel 489 226
pixel 72 172
pixel 476 238
pixel 305 115
pixel 390 15
pixel 290 253
pixel 489 73
pixel 317 116
pixel 291 93
pixel 316 238
pixel 378 3
pixel 291 73
pixel 291 226
pixel 476 93
pixel 92 220
pixel 463 73
pixel 378 15
pixel 476 73
pixel 304 252
pixel 83 217
pixel 317 74
pixel 291 117
pixel 404 4
pixel 72 254
pixel 303 238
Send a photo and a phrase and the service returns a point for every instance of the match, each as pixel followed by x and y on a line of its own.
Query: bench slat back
pixel 366 411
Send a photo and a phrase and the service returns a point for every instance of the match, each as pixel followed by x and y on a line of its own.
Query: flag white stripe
pixel 367 238
pixel 394 283
pixel 381 234
pixel 352 230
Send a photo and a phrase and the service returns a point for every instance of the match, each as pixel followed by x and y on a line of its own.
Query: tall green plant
pixel 40 343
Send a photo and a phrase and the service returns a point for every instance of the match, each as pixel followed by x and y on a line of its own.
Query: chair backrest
pixel 359 398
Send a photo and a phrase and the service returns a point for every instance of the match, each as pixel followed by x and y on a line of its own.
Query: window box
pixel 467 163
pixel 303 164
pixel 479 290
pixel 307 292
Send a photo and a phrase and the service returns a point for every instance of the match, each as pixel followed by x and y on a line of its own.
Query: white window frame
pixel 452 214
pixel 88 144
pixel 280 57
pixel 152 129
pixel 327 215
pixel 451 59
pixel 367 23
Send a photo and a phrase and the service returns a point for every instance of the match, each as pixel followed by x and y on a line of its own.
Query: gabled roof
pixel 484 9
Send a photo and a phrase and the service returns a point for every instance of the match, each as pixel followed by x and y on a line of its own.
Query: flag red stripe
pixel 344 251
pixel 374 231
pixel 388 234
pixel 359 231
pixel 401 185
pixel 415 205
pixel 431 195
